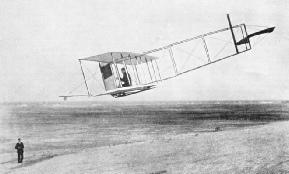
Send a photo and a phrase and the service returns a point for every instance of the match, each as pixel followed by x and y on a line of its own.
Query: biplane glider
pixel 126 73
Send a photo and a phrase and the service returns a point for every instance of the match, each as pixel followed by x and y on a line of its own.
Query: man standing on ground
pixel 20 146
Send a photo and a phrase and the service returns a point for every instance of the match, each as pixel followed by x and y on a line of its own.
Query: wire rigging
pixel 257 26
pixel 93 80
pixel 259 40
pixel 93 75
pixel 79 86
pixel 193 50
pixel 191 55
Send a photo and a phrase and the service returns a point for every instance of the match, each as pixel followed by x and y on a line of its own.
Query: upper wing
pixel 119 57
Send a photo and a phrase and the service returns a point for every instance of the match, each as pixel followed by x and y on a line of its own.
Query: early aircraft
pixel 143 71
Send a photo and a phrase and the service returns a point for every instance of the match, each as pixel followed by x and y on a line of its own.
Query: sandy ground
pixel 258 149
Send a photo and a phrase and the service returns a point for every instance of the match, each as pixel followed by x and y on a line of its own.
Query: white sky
pixel 41 42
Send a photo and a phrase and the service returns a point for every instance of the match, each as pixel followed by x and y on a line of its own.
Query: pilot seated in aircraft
pixel 126 79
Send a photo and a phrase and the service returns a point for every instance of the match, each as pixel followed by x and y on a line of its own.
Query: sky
pixel 41 42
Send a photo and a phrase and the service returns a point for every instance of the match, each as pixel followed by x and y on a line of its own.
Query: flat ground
pixel 257 149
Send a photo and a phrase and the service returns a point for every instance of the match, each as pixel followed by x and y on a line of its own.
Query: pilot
pixel 20 146
pixel 126 79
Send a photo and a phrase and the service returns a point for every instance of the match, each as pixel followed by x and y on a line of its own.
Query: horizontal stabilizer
pixel 246 39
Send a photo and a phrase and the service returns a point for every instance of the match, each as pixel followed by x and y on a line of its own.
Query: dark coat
pixel 19 147
pixel 126 79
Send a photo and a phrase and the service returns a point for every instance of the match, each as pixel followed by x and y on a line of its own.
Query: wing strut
pixel 173 60
pixel 84 77
pixel 135 74
pixel 116 69
pixel 206 49
pixel 158 70
pixel 143 73
pixel 148 68
pixel 154 71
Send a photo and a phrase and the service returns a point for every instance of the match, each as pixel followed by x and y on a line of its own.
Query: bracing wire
pixel 84 82
pixel 167 68
pixel 221 39
pixel 164 53
pixel 257 26
pixel 192 51
pixel 93 76
pixel 221 49
pixel 226 44
pixel 93 80
pixel 191 55
pixel 259 40
pixel 79 85
pixel 162 58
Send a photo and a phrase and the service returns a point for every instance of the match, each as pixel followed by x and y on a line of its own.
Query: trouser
pixel 20 157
